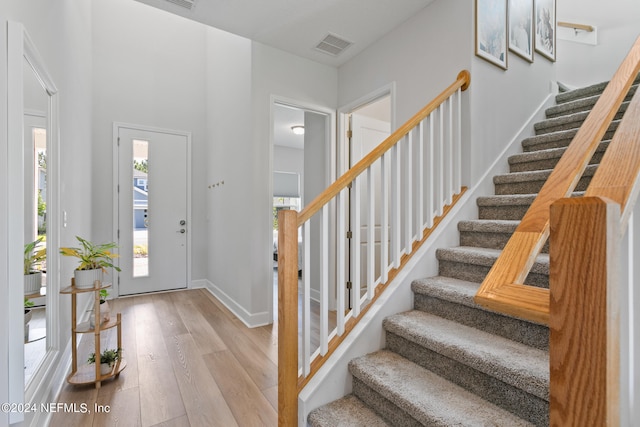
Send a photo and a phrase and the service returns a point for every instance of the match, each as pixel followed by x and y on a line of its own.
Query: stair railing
pixel 395 196
pixel 503 289
pixel 589 304
pixel 587 307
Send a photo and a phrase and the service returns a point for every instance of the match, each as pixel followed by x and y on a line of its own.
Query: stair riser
pixel 514 329
pixel 476 273
pixel 491 240
pixel 559 139
pixel 385 408
pixel 512 399
pixel 532 187
pixel 511 212
pixel 545 164
pixel 570 122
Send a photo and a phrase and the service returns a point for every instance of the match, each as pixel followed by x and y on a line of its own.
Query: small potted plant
pixel 27 317
pixel 105 310
pixel 94 261
pixel 34 256
pixel 108 359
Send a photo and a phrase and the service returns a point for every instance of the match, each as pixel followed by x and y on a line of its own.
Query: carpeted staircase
pixel 450 362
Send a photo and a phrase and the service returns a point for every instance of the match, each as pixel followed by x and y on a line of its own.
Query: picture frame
pixel 521 28
pixel 545 26
pixel 491 31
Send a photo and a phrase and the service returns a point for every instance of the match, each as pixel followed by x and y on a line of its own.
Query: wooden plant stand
pixel 88 374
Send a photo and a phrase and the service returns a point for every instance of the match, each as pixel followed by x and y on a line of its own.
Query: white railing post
pixel 384 220
pixel 408 201
pixel 371 235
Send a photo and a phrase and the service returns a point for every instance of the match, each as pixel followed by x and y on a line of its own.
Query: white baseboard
pixel 249 319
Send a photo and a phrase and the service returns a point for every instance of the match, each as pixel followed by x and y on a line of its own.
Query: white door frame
pixel 330 171
pixel 342 149
pixel 121 125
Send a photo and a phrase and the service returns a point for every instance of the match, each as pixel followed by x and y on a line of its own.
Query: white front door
pixel 153 220
pixel 368 133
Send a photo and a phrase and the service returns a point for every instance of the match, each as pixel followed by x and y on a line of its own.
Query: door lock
pixel 183 222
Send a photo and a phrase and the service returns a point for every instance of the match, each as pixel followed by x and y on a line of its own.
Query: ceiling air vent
pixel 333 45
pixel 187 4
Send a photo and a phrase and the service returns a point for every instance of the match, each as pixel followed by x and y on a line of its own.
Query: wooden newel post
pixel 287 318
pixel 584 313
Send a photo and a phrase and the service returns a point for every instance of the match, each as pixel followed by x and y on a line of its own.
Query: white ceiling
pixel 297 26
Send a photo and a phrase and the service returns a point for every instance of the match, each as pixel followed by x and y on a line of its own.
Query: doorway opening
pixel 367 123
pixel 302 166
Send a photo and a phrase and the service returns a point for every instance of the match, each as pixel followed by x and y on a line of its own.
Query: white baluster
pixel 458 163
pixel 450 170
pixel 341 261
pixel 408 203
pixel 395 205
pixel 420 181
pixel 324 282
pixel 384 218
pixel 371 218
pixel 355 247
pixel 306 311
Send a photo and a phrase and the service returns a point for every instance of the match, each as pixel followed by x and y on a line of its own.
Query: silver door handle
pixel 182 231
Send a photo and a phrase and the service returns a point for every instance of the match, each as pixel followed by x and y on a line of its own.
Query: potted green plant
pixel 108 359
pixel 34 255
pixel 105 310
pixel 94 261
pixel 27 317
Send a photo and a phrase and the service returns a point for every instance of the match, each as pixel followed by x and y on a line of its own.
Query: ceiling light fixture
pixel 298 130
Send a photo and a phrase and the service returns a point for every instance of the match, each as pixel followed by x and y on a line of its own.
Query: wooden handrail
pixel 617 178
pixel 462 82
pixel 583 27
pixel 503 289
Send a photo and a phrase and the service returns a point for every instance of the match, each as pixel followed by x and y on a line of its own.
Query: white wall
pixel 61 30
pixel 425 54
pixel 617 23
pixel 149 70
pixel 243 78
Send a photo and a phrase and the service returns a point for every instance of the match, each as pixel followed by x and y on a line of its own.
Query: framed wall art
pixel 521 28
pixel 545 15
pixel 491 31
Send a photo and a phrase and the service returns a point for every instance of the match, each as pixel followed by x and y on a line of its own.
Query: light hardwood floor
pixel 190 362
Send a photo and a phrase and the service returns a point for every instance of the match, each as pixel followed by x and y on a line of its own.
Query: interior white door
pixel 367 133
pixel 152 210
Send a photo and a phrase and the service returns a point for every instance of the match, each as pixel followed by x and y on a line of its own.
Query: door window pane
pixel 141 221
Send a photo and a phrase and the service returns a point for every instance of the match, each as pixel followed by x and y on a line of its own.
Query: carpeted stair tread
pixel 486 257
pixel 583 92
pixel 346 412
pixel 547 159
pixel 513 199
pixel 489 233
pixel 423 395
pixel 488 226
pixel 541 175
pixel 448 288
pixel 582 104
pixel 473 264
pixel 507 206
pixel 511 362
pixel 532 181
pixel 453 299
pixel 571 121
pixel 595 89
pixel 560 138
